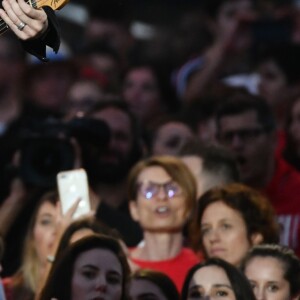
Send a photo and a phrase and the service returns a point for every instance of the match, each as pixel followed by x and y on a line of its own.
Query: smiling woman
pixel 162 193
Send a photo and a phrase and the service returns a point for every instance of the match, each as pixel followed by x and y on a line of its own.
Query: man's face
pixel 252 146
pixel 115 160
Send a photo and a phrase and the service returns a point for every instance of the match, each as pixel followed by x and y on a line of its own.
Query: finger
pixel 35 18
pixel 71 211
pixel 10 18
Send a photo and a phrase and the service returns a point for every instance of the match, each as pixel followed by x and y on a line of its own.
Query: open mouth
pixel 162 210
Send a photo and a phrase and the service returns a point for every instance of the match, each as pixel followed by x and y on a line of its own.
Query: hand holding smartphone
pixel 73 185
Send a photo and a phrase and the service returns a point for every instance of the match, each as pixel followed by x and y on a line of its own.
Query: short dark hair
pixel 240 285
pixel 216 160
pixel 284 255
pixel 241 103
pixel 256 211
pixel 58 283
pixel 161 280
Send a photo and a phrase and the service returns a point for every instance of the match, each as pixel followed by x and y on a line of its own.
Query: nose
pixel 162 194
pixel 236 142
pixel 214 236
pixel 259 293
pixel 101 284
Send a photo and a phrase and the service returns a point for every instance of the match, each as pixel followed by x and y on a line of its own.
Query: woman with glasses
pixel 162 194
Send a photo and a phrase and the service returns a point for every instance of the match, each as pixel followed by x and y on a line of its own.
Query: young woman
pixel 94 267
pixel 149 284
pixel 216 279
pixel 230 220
pixel 162 193
pixel 38 243
pixel 273 272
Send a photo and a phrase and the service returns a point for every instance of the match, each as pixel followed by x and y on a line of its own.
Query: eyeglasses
pixel 151 189
pixel 245 135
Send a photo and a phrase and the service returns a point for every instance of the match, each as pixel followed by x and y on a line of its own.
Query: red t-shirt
pixel 176 268
pixel 284 193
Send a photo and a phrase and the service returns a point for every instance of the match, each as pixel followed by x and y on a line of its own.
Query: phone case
pixel 73 185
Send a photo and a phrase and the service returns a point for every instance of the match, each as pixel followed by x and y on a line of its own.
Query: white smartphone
pixel 73 185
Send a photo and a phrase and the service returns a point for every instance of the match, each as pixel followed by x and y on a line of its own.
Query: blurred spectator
pixel 12 65
pixel 83 94
pixel 162 193
pixel 148 92
pixel 145 283
pixel 101 257
pixel 279 71
pixel 273 263
pixel 104 60
pixel 211 165
pixel 214 277
pixel 45 86
pixel 229 216
pixel 37 246
pixel 246 126
pixel 108 166
pixel 292 129
pixel 168 134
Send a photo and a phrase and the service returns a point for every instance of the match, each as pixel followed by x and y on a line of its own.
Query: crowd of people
pixel 187 128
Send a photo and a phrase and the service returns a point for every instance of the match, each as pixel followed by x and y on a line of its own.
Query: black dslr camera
pixel 46 147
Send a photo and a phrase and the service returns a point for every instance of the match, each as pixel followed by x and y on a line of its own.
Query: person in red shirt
pixel 246 126
pixel 162 193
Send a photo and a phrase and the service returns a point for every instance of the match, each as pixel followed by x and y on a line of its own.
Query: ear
pixel 134 210
pixel 256 238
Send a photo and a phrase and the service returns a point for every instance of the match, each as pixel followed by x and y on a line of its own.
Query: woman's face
pixel 142 94
pixel 224 233
pixel 294 128
pixel 212 282
pixel 44 230
pixel 145 289
pixel 273 82
pixel 170 138
pixel 160 203
pixel 266 275
pixel 97 275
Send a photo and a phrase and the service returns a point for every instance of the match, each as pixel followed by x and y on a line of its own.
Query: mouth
pixel 162 210
pixel 216 252
pixel 241 160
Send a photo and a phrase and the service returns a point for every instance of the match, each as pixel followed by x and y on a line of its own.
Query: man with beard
pixel 246 126
pixel 108 166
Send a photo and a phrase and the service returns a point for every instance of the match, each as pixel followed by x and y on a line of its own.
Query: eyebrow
pixel 96 269
pixel 217 285
pixel 147 296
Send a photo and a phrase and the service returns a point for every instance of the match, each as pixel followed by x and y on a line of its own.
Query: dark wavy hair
pixel 240 285
pixel 256 211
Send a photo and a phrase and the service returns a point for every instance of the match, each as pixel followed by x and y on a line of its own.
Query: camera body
pixel 47 148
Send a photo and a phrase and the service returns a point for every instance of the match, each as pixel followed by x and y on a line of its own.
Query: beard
pixel 110 167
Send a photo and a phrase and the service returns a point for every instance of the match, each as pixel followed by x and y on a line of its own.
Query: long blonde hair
pixel 28 275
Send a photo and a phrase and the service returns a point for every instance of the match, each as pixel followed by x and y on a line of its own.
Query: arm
pixel 36 28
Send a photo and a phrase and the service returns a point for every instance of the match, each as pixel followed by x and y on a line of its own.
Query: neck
pixel 112 194
pixel 263 180
pixel 159 246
